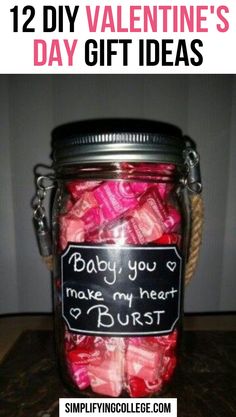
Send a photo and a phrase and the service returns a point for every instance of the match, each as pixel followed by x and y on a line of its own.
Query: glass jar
pixel 120 236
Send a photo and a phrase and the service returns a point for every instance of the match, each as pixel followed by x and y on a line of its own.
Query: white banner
pixel 115 407
pixel 113 36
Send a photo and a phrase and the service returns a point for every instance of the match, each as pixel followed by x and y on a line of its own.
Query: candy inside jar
pixel 121 212
pixel 119 245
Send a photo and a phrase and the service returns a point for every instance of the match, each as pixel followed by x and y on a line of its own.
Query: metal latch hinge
pixel 193 178
pixel 42 230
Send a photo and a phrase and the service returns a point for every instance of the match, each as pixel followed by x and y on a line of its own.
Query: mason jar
pixel 121 233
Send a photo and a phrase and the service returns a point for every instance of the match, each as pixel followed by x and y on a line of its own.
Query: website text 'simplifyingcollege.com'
pixel 163 407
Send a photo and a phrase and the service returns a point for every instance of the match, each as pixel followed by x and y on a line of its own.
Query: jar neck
pixel 156 172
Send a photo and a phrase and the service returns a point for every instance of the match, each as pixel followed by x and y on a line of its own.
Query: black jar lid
pixel 116 140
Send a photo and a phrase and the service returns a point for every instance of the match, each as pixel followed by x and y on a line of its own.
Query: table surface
pixel 204 384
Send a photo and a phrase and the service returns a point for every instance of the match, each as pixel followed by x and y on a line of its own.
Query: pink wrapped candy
pixel 71 230
pixel 107 377
pixel 78 187
pixel 83 205
pixel 173 220
pixel 164 189
pixel 86 210
pixel 80 375
pixel 114 198
pixel 143 362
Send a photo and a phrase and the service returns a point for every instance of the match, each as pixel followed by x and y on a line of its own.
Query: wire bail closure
pixel 44 183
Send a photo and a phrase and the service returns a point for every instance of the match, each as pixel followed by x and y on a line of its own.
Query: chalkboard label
pixel 111 290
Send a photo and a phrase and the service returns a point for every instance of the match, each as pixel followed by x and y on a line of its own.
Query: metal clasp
pixel 192 162
pixel 44 183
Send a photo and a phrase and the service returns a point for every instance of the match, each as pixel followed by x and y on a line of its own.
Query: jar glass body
pixel 119 243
